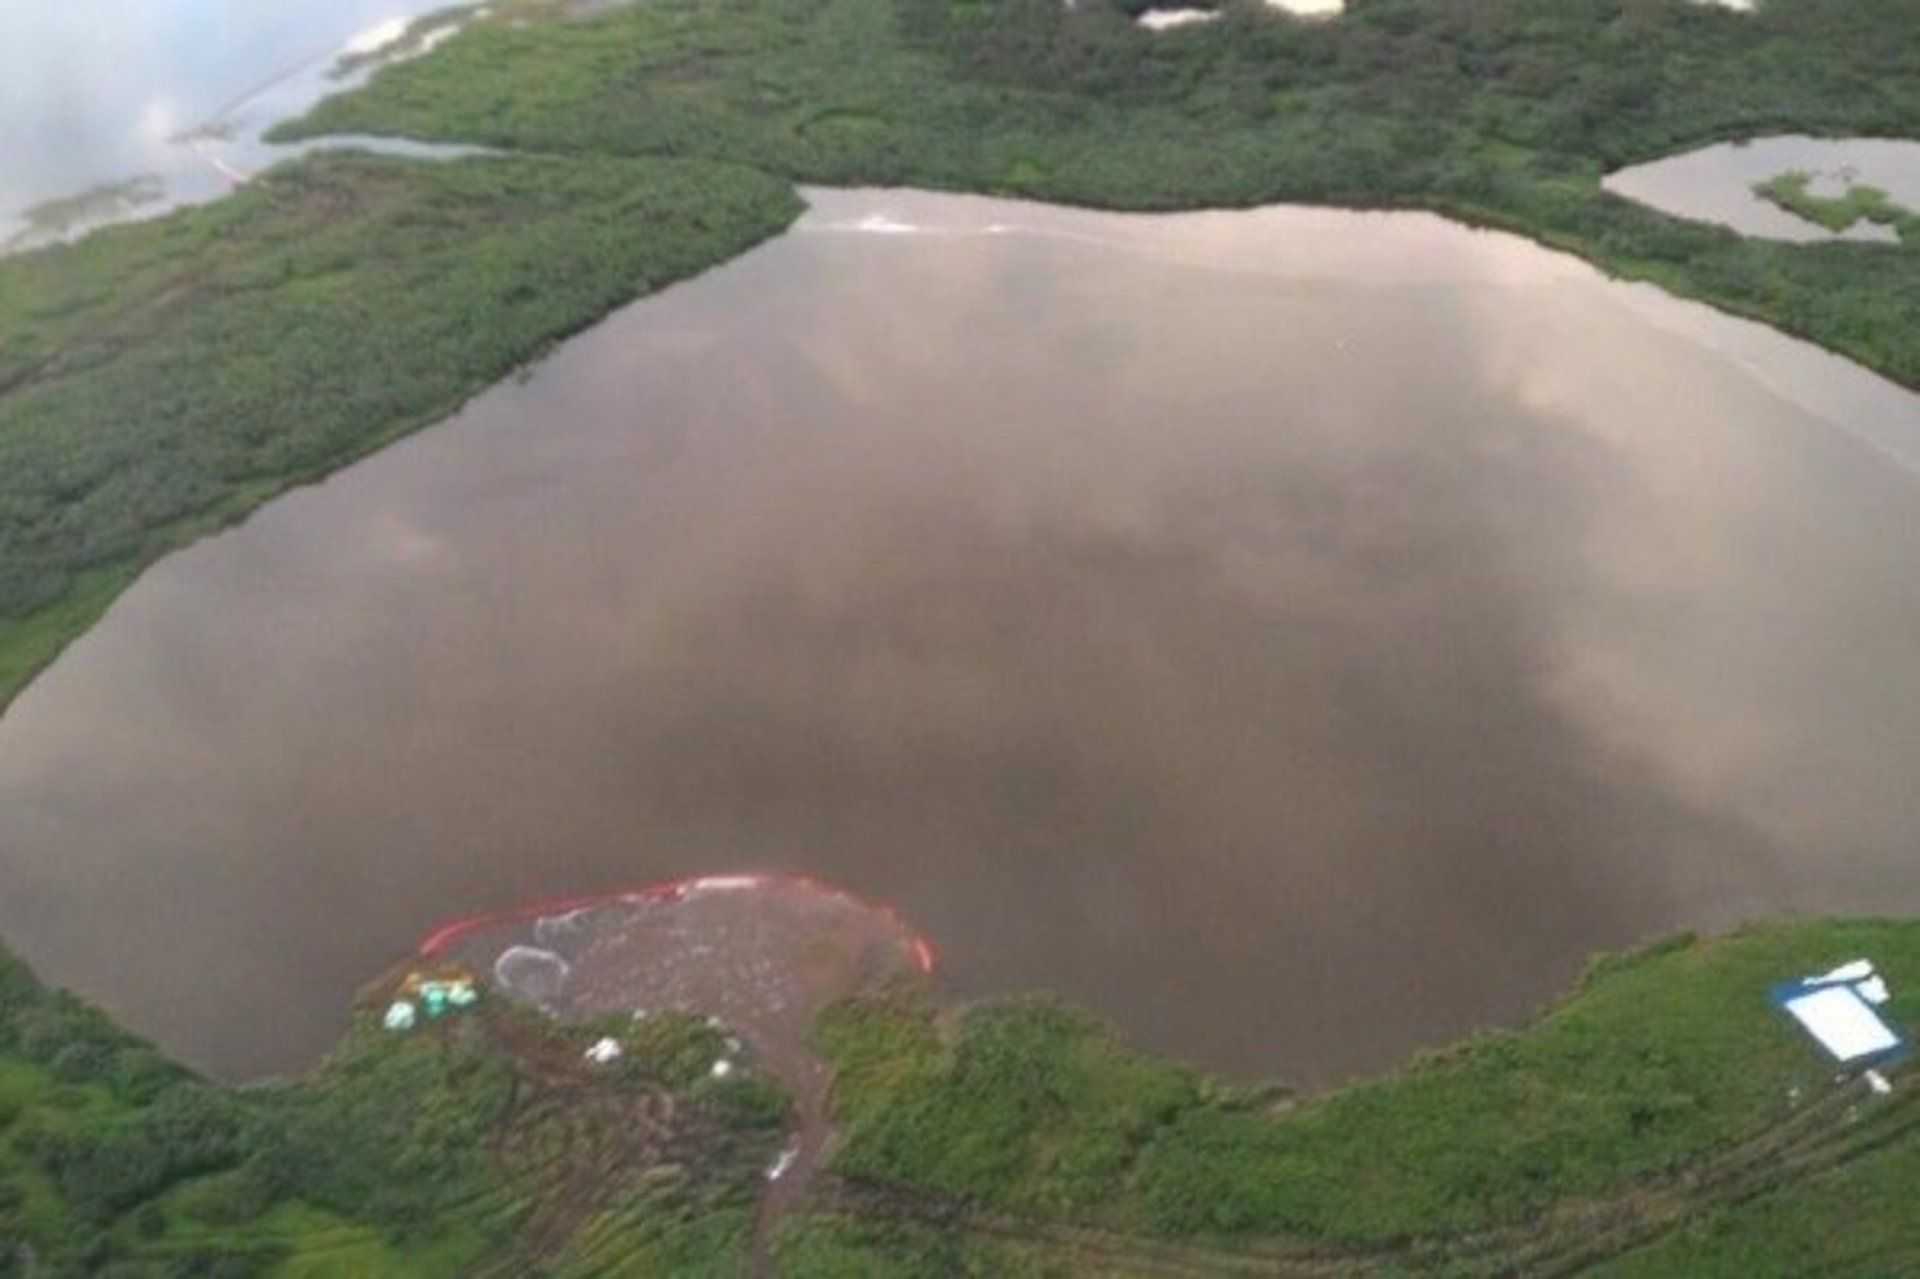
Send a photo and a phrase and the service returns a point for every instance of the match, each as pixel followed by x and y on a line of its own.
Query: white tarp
pixel 1845 1024
pixel 1838 1008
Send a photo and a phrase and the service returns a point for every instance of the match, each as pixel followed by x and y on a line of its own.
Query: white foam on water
pixel 724 883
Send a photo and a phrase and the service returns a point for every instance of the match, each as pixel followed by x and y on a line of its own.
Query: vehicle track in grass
pixel 1842 1124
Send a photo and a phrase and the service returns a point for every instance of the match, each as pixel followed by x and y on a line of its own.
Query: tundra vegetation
pixel 159 379
pixel 1663 1119
pixel 1858 203
pixel 483 1144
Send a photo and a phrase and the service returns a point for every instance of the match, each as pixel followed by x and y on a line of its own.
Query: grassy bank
pixel 1663 1120
pixel 479 1146
pixel 161 379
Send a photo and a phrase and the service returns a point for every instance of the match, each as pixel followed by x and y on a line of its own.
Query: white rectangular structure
pixel 1845 1024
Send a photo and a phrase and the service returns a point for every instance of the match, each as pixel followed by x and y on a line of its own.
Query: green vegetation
pixel 837 1247
pixel 483 1145
pixel 1853 1222
pixel 1838 213
pixel 1663 1120
pixel 159 380
pixel 1666 1112
pixel 1504 113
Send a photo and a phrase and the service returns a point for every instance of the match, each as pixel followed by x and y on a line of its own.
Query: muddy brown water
pixel 1300 636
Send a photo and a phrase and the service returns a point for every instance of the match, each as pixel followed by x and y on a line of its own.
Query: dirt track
pixel 1841 1125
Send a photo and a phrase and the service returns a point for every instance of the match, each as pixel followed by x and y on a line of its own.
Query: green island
pixel 162 379
pixel 1861 203
pixel 1663 1119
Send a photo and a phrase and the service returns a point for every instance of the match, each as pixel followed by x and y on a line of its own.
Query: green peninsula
pixel 160 380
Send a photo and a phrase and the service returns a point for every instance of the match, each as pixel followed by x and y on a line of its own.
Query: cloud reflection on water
pixel 1301 635
pixel 94 92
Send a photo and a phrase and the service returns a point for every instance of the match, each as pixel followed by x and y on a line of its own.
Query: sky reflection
pixel 95 92
pixel 1300 635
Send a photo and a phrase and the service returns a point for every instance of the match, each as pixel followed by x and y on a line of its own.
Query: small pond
pixel 1715 184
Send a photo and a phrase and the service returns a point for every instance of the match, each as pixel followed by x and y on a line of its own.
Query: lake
pixel 1298 635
